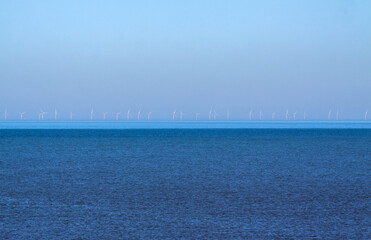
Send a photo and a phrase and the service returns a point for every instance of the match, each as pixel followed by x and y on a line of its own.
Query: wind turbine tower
pixel 117 116
pixel 366 113
pixel 149 116
pixel 181 116
pixel 22 113
pixel 42 113
pixel 128 115
pixel 138 116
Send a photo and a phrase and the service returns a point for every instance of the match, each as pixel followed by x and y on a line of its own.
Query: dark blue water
pixel 190 184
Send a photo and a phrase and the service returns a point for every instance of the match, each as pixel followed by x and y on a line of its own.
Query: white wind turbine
pixel 149 116
pixel 210 113
pixel 174 112
pixel 71 116
pixel 366 113
pixel 128 115
pixel 118 115
pixel 294 116
pixel 41 115
pixel 197 114
pixel 329 115
pixel 287 114
pixel 181 115
pixel 22 113
pixel 105 116
pixel 55 114
pixel 6 114
pixel 250 115
pixel 138 116
pixel 91 114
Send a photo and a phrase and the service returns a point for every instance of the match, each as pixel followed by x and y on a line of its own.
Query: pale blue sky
pixel 157 56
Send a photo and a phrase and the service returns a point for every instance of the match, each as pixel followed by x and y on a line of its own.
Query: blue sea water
pixel 180 183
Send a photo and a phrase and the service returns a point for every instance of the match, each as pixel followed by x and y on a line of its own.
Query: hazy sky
pixel 192 55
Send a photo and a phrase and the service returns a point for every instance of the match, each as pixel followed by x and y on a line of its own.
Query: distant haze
pixel 308 56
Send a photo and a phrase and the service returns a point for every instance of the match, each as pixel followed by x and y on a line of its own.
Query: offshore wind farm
pixel 179 120
pixel 178 115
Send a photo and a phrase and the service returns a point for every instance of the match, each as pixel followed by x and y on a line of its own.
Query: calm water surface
pixel 185 183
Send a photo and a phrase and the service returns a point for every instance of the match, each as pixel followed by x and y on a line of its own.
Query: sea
pixel 185 180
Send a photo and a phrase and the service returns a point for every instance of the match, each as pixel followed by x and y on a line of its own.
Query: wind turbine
pixel 6 114
pixel 197 114
pixel 210 112
pixel 215 114
pixel 139 114
pixel 149 116
pixel 117 116
pixel 294 116
pixel 105 116
pixel 181 115
pixel 260 115
pixel 71 116
pixel 366 113
pixel 174 112
pixel 55 114
pixel 128 114
pixel 250 115
pixel 91 114
pixel 329 115
pixel 41 114
pixel 22 113
pixel 337 115
pixel 287 114
pixel 273 115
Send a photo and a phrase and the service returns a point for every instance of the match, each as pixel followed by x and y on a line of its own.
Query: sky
pixel 158 56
